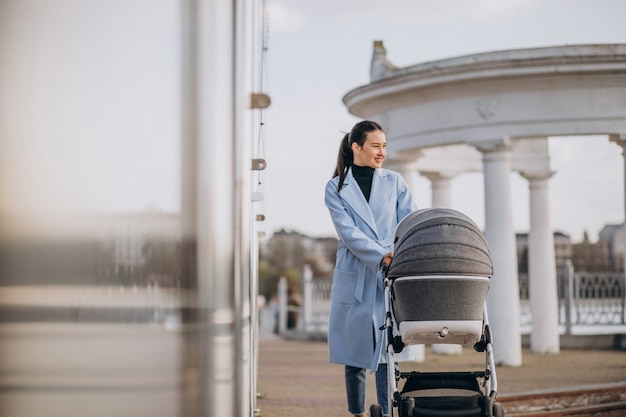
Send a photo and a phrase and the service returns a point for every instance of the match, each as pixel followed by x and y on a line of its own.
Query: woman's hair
pixel 358 135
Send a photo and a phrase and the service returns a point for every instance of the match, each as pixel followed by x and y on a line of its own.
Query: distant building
pixel 521 240
pixel 591 257
pixel 104 249
pixel 562 250
pixel 141 246
pixel 324 249
pixel 612 236
pixel 126 235
pixel 288 249
pixel 605 255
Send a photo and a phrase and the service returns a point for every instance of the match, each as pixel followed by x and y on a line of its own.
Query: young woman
pixel 366 202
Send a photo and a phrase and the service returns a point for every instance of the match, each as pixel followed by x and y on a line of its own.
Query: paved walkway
pixel 296 380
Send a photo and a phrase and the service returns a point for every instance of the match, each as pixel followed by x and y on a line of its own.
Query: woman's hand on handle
pixel 385 262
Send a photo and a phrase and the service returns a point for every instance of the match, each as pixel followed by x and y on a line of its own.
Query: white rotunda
pixel 493 112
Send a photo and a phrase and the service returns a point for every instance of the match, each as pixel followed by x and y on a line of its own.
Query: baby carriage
pixel 435 292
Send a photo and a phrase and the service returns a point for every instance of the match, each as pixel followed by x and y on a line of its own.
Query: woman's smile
pixel 373 152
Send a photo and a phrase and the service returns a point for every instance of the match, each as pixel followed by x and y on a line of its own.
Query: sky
pixel 90 101
pixel 90 105
pixel 314 57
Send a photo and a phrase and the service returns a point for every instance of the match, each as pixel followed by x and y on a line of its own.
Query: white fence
pixel 589 303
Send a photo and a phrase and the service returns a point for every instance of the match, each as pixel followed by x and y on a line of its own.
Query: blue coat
pixel 366 234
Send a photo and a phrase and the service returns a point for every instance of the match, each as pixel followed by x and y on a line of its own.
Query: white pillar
pixel 621 141
pixel 306 318
pixel 544 303
pixel 405 164
pixel 441 186
pixel 503 296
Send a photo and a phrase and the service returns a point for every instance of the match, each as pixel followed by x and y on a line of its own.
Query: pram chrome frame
pixel 394 344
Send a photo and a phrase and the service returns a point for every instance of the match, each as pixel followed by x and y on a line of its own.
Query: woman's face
pixel 373 151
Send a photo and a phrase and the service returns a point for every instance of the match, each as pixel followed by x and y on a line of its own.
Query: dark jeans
pixel 356 379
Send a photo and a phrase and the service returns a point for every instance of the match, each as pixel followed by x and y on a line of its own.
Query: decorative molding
pixel 380 67
pixel 494 145
pixel 487 107
pixel 440 175
pixel 537 175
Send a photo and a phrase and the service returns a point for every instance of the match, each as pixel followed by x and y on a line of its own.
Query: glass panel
pixel 90 241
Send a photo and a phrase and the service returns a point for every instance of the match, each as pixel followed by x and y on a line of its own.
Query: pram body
pixel 435 292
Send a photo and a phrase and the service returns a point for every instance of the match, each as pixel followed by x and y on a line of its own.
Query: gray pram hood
pixel 439 241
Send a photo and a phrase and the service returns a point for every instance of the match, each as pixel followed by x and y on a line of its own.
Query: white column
pixel 405 164
pixel 544 307
pixel 621 141
pixel 503 296
pixel 409 173
pixel 441 186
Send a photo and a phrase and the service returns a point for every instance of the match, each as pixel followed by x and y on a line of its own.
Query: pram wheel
pixel 498 410
pixel 376 410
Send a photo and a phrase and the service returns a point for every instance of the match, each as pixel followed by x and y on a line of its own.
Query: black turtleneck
pixel 363 176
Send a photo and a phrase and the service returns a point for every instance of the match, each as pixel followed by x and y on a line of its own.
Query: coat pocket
pixel 344 284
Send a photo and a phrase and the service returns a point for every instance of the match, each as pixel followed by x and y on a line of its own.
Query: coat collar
pixel 381 192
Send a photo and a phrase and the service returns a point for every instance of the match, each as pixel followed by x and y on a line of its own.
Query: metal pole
pixel 569 293
pixel 193 333
pixel 218 225
pixel 282 305
pixel 306 318
pixel 257 40
pixel 216 116
pixel 622 143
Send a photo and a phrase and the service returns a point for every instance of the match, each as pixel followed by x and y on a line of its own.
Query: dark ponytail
pixel 344 160
pixel 357 135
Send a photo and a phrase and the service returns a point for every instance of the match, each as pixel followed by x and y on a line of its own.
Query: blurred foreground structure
pixel 155 324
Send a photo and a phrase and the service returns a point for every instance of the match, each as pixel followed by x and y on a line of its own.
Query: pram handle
pixel 385 269
pixel 385 262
